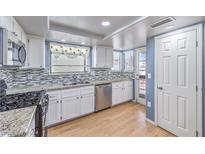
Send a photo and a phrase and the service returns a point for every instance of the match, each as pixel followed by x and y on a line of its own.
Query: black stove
pixel 21 100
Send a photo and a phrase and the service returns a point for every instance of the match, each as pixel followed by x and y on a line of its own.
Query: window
pixel 117 61
pixel 129 61
pixel 69 58
pixel 141 71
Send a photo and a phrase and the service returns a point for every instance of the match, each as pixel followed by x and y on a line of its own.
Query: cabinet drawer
pixel 87 90
pixel 71 92
pixel 54 95
pixel 117 85
pixel 128 83
pixel 87 95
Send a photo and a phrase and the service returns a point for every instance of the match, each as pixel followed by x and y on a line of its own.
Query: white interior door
pixel 141 75
pixel 176 83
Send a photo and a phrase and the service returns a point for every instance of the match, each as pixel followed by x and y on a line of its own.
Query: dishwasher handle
pixel 104 86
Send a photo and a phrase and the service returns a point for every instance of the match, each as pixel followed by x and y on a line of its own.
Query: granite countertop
pixel 58 86
pixel 16 123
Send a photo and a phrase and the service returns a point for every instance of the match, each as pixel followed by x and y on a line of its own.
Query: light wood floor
pixel 125 120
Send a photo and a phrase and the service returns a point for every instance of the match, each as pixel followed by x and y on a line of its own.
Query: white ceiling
pixel 34 25
pixel 78 29
pixel 92 24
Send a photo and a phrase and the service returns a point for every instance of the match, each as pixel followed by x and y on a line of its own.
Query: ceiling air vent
pixel 162 22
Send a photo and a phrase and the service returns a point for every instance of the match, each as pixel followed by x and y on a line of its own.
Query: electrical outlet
pixel 149 104
pixel 149 75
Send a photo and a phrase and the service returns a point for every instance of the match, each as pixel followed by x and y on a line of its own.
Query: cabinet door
pixel 128 90
pixel 100 59
pixel 54 112
pixel 70 108
pixel 109 57
pixel 6 22
pixel 128 94
pixel 17 29
pixel 36 51
pixel 24 38
pixel 117 96
pixel 87 104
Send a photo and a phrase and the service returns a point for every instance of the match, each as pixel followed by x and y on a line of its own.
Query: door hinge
pixel 197 43
pixel 197 133
pixel 196 88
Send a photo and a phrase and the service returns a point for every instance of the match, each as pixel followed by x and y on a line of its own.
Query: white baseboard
pixel 150 121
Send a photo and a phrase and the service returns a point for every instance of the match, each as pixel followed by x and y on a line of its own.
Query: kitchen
pixel 62 77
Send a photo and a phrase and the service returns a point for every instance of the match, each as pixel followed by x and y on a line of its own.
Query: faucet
pixel 75 77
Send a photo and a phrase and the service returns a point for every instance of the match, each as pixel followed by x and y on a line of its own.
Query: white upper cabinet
pixel 102 57
pixel 109 57
pixel 36 52
pixel 9 23
pixel 24 38
pixel 6 22
pixel 17 29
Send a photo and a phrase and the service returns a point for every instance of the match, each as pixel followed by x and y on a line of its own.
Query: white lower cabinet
pixel 54 112
pixel 122 92
pixel 70 103
pixel 70 108
pixel 87 104
pixel 116 96
pixel 127 90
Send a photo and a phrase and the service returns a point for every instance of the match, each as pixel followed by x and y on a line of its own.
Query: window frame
pixel 133 61
pixel 121 61
pixel 87 60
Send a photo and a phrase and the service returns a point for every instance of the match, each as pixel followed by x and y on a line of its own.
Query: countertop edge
pixel 50 88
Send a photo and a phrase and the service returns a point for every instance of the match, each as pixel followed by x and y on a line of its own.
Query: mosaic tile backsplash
pixel 16 77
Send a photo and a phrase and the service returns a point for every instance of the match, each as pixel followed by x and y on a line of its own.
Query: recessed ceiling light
pixel 62 40
pixel 83 43
pixel 169 27
pixel 105 23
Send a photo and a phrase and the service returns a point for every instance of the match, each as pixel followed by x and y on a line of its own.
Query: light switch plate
pixel 149 75
pixel 149 104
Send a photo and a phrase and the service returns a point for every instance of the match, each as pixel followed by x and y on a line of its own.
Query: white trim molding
pixel 150 121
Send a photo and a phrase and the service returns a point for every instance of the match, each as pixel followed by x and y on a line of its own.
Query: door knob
pixel 160 88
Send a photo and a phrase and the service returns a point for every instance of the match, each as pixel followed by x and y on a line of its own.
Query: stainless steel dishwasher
pixel 103 96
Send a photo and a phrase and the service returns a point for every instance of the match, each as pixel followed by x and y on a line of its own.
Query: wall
pixel 150 82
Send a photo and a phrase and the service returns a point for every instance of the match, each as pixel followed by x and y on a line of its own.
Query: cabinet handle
pixel 77 97
pixel 81 97
pixel 57 101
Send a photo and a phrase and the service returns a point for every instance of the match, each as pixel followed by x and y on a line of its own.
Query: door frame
pixel 199 39
pixel 136 51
